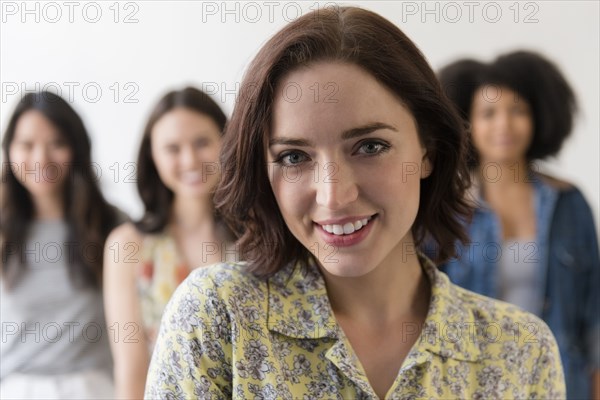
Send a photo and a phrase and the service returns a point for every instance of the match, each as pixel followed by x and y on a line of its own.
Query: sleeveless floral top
pixel 159 273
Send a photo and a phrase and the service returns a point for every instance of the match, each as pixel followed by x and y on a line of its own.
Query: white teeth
pixel 347 228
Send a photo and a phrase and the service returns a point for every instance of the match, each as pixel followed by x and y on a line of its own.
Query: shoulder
pixel 225 277
pixel 484 324
pixel 121 248
pixel 227 282
pixel 501 326
pixel 570 199
pixel 211 298
pixel 486 309
pixel 511 344
pixel 126 232
pixel 556 183
pixel 569 195
pixel 573 196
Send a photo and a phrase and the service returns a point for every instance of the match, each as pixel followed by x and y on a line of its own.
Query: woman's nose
pixel 188 157
pixel 335 186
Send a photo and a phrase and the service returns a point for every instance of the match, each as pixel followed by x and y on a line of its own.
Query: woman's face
pixel 345 165
pixel 39 155
pixel 501 124
pixel 185 149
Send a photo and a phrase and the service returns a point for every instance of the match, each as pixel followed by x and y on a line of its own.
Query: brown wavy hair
pixel 156 196
pixel 360 37
pixel 89 217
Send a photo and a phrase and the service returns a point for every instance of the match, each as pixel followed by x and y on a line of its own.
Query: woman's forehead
pixel 334 97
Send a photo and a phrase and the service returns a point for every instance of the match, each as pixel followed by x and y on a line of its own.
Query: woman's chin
pixel 345 269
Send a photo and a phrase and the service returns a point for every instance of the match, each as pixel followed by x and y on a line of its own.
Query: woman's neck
pixel 50 206
pixel 190 213
pixel 501 175
pixel 395 291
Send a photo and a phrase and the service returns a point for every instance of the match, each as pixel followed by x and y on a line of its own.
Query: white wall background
pixel 136 51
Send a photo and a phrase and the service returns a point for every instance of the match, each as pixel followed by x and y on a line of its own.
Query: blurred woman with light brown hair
pixel 177 171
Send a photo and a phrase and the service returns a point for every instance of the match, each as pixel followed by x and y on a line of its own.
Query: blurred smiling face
pixel 185 149
pixel 39 154
pixel 502 124
pixel 345 169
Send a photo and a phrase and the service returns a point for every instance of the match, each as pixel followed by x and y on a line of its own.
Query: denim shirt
pixel 568 273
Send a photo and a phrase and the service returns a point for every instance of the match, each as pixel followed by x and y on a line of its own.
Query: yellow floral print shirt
pixel 158 274
pixel 226 334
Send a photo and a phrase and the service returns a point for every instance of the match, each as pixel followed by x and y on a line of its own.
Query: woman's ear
pixel 426 166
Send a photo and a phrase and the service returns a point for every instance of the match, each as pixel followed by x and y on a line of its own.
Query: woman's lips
pixel 346 240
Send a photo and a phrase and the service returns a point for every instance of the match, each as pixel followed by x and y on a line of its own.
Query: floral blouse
pixel 160 272
pixel 227 334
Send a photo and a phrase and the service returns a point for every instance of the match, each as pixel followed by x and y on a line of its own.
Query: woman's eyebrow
pixel 365 130
pixel 346 135
pixel 290 142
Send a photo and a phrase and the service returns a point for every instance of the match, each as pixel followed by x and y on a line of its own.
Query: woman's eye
pixel 373 148
pixel 59 144
pixel 199 143
pixel 519 111
pixel 172 149
pixel 487 113
pixel 291 158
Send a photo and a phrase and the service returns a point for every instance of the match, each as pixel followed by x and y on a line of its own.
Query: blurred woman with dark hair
pixel 177 172
pixel 533 240
pixel 332 191
pixel 53 228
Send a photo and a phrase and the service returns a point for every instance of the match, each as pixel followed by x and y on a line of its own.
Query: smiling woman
pixel 179 231
pixel 517 121
pixel 332 199
pixel 369 138
pixel 54 222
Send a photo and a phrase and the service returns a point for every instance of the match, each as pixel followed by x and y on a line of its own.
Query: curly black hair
pixel 530 75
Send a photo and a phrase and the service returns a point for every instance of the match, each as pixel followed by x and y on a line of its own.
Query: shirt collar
pixel 308 313
pixel 449 329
